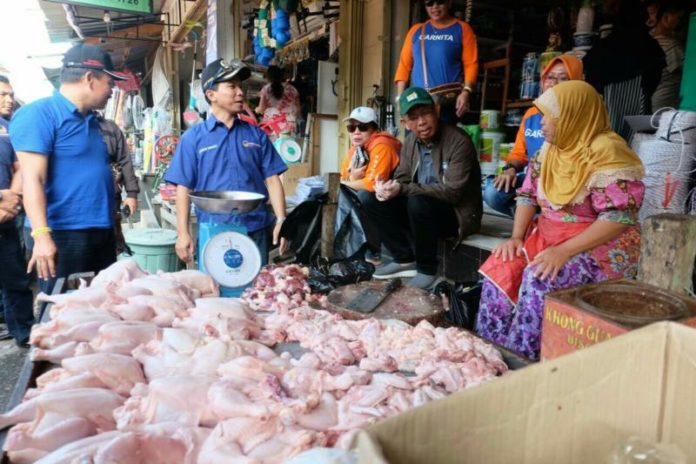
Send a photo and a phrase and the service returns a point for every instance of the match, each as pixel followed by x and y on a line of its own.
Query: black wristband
pixel 508 166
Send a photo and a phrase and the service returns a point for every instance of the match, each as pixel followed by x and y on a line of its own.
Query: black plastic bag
pixel 325 276
pixel 463 301
pixel 353 232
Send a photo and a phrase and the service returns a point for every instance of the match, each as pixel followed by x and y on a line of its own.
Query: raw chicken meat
pixel 119 273
pixel 196 280
pixel 121 337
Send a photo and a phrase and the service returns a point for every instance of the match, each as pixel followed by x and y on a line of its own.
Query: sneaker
pixel 22 343
pixel 423 281
pixel 391 270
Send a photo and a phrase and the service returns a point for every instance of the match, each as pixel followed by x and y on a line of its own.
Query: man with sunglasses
pixel 441 56
pixel 226 153
pixel 67 181
pixel 435 193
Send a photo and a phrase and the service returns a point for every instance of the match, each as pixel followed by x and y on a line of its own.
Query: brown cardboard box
pixel 576 409
pixel 294 173
pixel 568 327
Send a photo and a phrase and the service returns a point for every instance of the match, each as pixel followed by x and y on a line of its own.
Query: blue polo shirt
pixel 212 157
pixel 7 160
pixel 79 185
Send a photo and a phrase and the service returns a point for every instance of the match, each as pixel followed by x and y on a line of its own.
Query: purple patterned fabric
pixel 518 327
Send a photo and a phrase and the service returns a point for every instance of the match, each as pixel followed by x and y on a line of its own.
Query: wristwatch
pixel 508 166
pixel 280 220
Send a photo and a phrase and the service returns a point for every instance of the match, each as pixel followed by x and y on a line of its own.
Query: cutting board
pixel 408 304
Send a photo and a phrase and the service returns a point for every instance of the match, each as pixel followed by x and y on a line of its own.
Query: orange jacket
pixel 383 150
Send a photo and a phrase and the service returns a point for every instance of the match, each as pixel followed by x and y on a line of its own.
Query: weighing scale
pixel 225 251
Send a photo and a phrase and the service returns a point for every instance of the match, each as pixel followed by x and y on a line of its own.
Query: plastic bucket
pixel 153 249
pixel 490 119
pixel 490 151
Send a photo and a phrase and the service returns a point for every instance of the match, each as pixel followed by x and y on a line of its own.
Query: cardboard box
pixel 567 326
pixel 294 173
pixel 576 409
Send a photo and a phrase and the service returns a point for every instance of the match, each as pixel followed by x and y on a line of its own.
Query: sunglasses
pixel 362 127
pixel 430 3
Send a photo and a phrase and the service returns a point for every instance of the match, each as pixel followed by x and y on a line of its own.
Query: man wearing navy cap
pixel 67 180
pixel 227 153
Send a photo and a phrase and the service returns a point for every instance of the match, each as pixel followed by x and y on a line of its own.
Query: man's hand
pixel 10 202
pixel 7 215
pixel 44 257
pixel 506 180
pixel 387 190
pixel 184 247
pixel 462 105
pixel 132 204
pixel 276 237
pixel 359 173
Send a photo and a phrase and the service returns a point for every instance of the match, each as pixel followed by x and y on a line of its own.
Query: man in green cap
pixel 435 193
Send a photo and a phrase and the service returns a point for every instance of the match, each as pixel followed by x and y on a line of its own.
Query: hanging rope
pixel 670 160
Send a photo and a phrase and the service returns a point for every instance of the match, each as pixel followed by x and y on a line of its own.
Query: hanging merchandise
pixel 137 108
pixel 191 116
pixel 263 42
pixel 280 25
pixel 128 112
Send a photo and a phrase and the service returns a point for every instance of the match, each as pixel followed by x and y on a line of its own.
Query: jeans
pixel 502 201
pixel 427 220
pixel 365 196
pixel 84 250
pixel 261 238
pixel 17 297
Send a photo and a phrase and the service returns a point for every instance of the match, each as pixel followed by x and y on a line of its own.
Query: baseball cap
pixel 412 97
pixel 363 114
pixel 87 56
pixel 223 71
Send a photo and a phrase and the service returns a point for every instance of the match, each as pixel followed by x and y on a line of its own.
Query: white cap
pixel 363 114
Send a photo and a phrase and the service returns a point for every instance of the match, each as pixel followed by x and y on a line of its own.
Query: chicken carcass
pixel 121 337
pixel 119 273
pixel 206 286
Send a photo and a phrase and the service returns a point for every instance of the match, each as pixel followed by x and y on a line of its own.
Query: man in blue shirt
pixel 15 292
pixel 226 153
pixel 67 181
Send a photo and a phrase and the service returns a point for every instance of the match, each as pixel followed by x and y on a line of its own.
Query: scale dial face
pixel 232 259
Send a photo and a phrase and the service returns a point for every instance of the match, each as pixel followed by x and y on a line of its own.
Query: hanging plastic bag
pixel 461 302
pixel 354 231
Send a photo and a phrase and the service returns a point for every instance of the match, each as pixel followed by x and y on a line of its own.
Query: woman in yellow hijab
pixel 587 182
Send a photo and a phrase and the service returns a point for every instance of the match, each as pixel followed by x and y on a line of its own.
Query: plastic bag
pixel 638 451
pixel 302 228
pixel 325 456
pixel 461 302
pixel 325 276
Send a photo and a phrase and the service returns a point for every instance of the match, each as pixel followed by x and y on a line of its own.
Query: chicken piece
pixel 133 311
pixel 195 279
pixel 160 286
pixel 228 402
pixel 222 448
pixel 76 325
pixel 122 337
pixel 61 379
pixel 23 436
pixel 320 418
pixel 93 404
pixel 90 297
pixel 333 349
pixel 382 363
pixel 79 451
pixel 181 399
pixel 55 355
pixel 221 328
pixel 119 273
pixel 128 291
pixel 166 308
pixel 117 372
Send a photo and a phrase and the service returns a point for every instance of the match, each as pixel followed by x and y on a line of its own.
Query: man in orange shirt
pixel 373 156
pixel 440 52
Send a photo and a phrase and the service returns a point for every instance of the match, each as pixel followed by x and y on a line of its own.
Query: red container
pixel 580 317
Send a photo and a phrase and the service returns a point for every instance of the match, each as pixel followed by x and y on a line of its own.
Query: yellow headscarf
pixel 586 153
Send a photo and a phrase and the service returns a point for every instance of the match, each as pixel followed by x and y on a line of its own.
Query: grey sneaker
pixel 423 281
pixel 391 270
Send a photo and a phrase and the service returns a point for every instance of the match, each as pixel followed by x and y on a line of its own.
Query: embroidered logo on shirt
pixel 248 144
pixel 411 96
pixel 440 37
pixel 533 133
pixel 208 148
pixel 3 131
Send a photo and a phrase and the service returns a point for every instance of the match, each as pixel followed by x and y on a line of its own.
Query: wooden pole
pixel 668 248
pixel 328 218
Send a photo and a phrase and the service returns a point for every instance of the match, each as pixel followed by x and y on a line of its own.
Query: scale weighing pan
pixel 226 202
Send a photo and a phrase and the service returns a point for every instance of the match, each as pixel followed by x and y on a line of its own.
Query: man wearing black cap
pixel 68 186
pixel 227 153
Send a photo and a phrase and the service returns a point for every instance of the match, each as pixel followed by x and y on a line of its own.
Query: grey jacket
pixel 456 164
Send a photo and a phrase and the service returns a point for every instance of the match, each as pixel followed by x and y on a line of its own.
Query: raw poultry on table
pixel 159 369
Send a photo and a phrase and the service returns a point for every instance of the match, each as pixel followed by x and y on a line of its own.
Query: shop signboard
pixel 211 49
pixel 126 6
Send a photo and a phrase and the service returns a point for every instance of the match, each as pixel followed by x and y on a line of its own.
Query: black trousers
pixel 17 297
pixel 410 227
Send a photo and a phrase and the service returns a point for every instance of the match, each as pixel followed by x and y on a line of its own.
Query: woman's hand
pixel 509 250
pixel 506 180
pixel 358 173
pixel 550 261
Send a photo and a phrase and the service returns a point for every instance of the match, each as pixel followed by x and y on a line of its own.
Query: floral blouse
pixel 617 202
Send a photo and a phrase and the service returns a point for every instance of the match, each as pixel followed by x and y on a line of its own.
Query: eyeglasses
pixel 362 127
pixel 413 116
pixel 430 3
pixel 556 78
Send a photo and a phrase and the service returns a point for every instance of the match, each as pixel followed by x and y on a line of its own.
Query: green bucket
pixel 688 85
pixel 153 249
